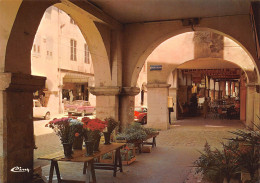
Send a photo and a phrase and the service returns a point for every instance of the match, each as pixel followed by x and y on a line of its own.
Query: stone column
pixel 127 106
pixel 229 88
pixel 243 97
pixel 106 101
pixel 222 88
pixel 257 106
pixel 16 125
pixel 173 93
pixel 233 88
pixel 250 104
pixel 158 114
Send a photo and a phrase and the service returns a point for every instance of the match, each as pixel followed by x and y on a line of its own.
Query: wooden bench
pixel 153 143
pixel 89 164
pixel 139 144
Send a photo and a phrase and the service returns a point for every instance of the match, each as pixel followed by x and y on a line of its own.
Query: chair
pixel 221 113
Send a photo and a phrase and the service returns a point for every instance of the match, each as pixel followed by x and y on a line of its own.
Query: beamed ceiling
pixel 133 11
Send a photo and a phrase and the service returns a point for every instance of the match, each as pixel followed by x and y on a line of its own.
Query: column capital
pixel 252 84
pixel 105 90
pixel 21 82
pixel 173 89
pixel 132 91
pixel 158 85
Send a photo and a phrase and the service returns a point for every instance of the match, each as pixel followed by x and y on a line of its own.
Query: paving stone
pixel 170 162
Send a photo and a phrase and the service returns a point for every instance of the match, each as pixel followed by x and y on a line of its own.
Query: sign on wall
pixel 155 67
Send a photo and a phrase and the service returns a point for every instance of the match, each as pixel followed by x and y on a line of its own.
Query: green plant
pixel 107 156
pixel 111 124
pixel 248 150
pixel 150 131
pixel 218 164
pixel 135 132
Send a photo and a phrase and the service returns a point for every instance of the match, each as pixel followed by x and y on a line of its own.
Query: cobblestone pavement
pixel 169 162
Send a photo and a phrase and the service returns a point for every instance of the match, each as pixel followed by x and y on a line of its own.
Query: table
pixel 89 165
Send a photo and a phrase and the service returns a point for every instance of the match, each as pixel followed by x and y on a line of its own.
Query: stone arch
pixel 21 37
pixel 94 39
pixel 17 56
pixel 149 48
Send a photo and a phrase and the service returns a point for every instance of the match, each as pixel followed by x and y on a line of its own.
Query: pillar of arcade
pixel 158 113
pixel 127 106
pixel 250 97
pixel 16 125
pixel 107 103
pixel 252 105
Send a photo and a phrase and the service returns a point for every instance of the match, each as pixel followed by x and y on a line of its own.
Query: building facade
pixel 60 54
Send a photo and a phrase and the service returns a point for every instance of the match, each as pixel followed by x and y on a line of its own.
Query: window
pixel 49 47
pixel 86 54
pixel 37 104
pixel 73 50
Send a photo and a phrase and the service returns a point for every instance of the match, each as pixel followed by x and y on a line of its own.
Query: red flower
pixel 76 134
pixel 93 124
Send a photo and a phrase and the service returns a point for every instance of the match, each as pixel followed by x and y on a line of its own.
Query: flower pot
pixel 67 150
pixel 107 138
pixel 96 143
pixel 77 143
pixel 89 148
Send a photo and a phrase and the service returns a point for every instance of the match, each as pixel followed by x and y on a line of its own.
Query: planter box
pixel 129 161
pixel 146 149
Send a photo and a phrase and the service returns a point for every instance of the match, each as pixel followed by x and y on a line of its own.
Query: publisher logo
pixel 20 169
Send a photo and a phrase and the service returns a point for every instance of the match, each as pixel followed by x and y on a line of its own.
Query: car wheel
pixel 144 120
pixel 47 116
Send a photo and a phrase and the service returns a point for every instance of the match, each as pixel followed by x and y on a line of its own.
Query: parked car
pixel 141 114
pixel 39 111
pixel 79 107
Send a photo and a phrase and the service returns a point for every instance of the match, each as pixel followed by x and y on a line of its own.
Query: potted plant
pixel 111 125
pixel 92 130
pixel 78 140
pixel 134 133
pixel 218 165
pixel 65 128
pixel 248 151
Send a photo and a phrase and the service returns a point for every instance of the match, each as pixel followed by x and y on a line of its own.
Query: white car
pixel 39 111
